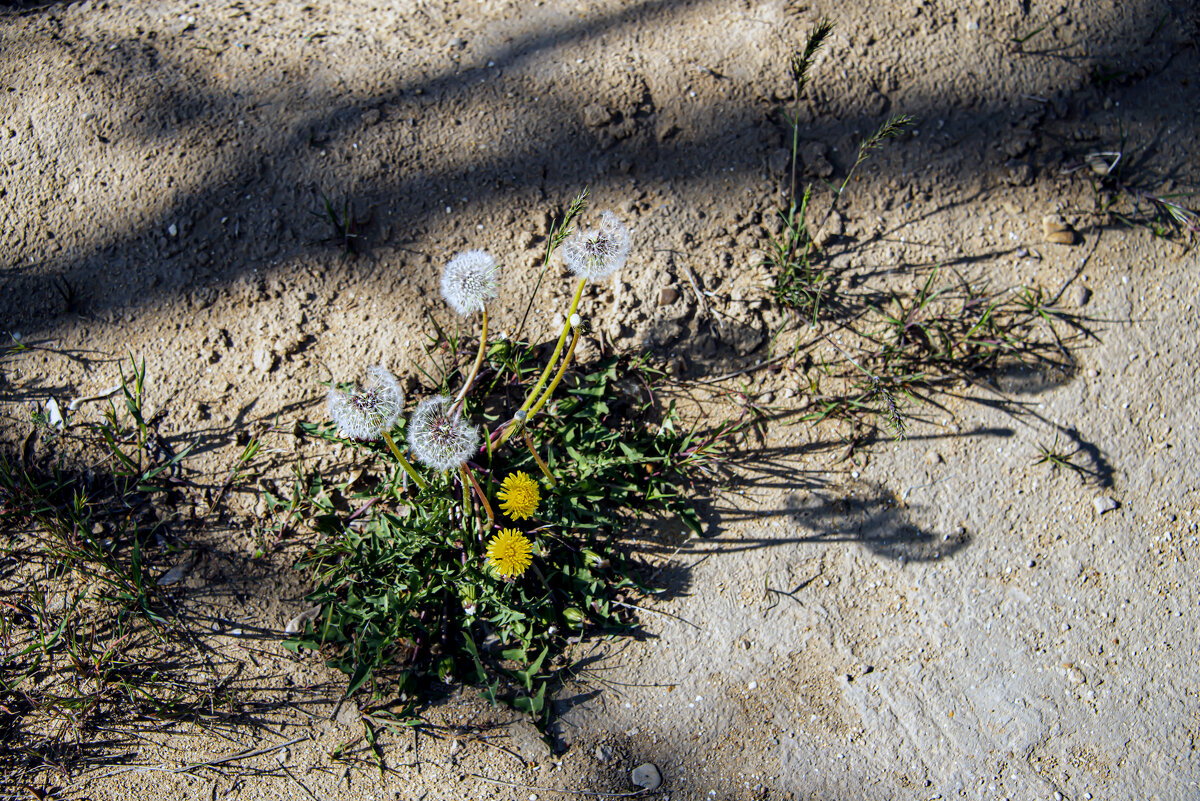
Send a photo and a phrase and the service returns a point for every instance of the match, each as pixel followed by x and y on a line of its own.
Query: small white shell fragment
pixel 296 624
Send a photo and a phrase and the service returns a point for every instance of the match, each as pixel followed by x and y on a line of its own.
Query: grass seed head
pixel 370 412
pixel 598 253
pixel 438 435
pixel 469 281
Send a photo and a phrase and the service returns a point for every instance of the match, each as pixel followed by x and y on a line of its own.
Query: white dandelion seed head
pixel 576 321
pixel 469 281
pixel 596 254
pixel 438 435
pixel 370 412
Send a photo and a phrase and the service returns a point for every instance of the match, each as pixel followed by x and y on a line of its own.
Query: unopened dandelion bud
pixel 368 413
pixel 597 254
pixel 438 435
pixel 576 321
pixel 469 281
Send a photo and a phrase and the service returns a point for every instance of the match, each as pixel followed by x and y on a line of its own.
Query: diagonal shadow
pixel 251 210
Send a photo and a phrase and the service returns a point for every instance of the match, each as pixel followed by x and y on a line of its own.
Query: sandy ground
pixel 933 618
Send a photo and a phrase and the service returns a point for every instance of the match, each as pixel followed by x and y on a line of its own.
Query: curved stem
pixel 487 507
pixel 537 458
pixel 562 340
pixel 561 370
pixel 462 393
pixel 408 468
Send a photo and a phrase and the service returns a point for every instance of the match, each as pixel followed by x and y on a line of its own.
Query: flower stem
pixel 537 458
pixel 561 370
pixel 562 340
pixel 466 496
pixel 487 507
pixel 408 468
pixel 462 393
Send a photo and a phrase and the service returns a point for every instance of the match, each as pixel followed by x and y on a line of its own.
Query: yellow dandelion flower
pixel 518 495
pixel 510 552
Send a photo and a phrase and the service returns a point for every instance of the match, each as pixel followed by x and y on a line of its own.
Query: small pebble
pixel 1057 231
pixel 667 295
pixel 1103 503
pixel 646 776
pixel 1080 295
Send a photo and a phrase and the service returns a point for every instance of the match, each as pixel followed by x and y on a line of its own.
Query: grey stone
pixel 1080 295
pixel 347 714
pixel 646 776
pixel 1103 503
pixel 528 742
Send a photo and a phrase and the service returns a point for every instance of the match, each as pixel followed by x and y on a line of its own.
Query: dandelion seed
pixel 518 495
pixel 371 412
pixel 438 435
pixel 597 254
pixel 469 281
pixel 510 552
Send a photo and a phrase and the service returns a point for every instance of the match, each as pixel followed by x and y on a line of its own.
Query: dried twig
pixel 164 768
pixel 657 612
